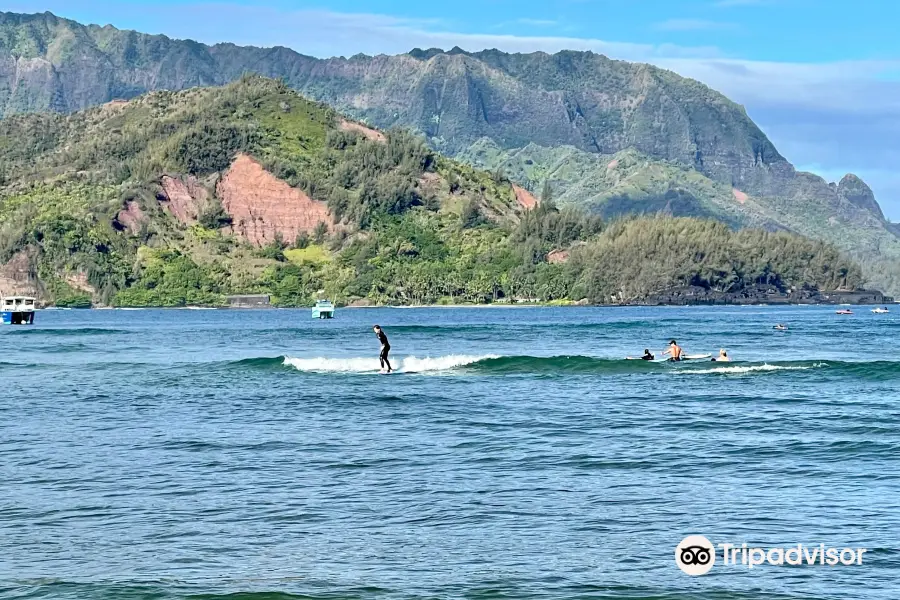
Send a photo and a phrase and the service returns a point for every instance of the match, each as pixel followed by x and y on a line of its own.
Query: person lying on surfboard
pixel 647 356
pixel 674 352
pixel 385 349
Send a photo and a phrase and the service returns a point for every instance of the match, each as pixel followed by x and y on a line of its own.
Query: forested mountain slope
pixel 179 198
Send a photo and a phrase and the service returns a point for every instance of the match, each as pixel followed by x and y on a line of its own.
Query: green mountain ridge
pixel 630 182
pixel 179 198
pixel 565 117
pixel 170 199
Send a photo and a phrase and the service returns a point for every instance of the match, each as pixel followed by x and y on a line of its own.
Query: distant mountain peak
pixel 855 191
pixel 426 54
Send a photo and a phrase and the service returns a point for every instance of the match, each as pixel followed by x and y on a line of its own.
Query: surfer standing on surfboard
pixel 385 349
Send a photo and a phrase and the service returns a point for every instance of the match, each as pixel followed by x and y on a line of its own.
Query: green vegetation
pixel 67 182
pixel 678 147
pixel 314 254
pixel 630 183
pixel 639 257
pixel 82 198
pixel 168 278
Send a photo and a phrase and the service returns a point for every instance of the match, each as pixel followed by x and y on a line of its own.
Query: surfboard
pixel 684 357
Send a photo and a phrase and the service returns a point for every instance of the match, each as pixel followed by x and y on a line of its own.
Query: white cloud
pixel 537 22
pixel 852 86
pixel 692 25
pixel 731 3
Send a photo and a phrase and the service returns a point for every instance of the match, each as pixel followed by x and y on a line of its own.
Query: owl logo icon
pixel 695 555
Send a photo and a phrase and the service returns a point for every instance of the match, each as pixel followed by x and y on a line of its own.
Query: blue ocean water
pixel 161 454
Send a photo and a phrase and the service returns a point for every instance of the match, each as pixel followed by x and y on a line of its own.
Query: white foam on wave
pixel 735 369
pixel 410 364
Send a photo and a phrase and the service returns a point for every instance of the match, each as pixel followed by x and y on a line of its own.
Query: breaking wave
pixel 491 364
pixel 740 369
pixel 410 364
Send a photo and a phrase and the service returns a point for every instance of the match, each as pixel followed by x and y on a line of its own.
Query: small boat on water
pixel 323 310
pixel 843 311
pixel 17 310
pixel 881 310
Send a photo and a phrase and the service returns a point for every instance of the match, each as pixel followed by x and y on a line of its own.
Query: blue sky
pixel 821 77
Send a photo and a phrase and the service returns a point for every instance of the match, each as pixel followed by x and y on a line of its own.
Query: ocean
pixel 167 454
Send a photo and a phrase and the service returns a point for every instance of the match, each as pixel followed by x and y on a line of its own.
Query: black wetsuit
pixel 647 356
pixel 385 349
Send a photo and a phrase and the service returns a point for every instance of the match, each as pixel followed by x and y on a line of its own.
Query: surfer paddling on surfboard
pixel 647 356
pixel 385 349
pixel 674 352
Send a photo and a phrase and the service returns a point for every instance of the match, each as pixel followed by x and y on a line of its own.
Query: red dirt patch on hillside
pixel 370 133
pixel 739 195
pixel 79 281
pixel 113 107
pixel 613 164
pixel 557 257
pixel 17 276
pixel 525 198
pixel 183 198
pixel 131 217
pixel 430 183
pixel 262 206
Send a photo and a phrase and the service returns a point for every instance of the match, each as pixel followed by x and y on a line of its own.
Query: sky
pixel 820 77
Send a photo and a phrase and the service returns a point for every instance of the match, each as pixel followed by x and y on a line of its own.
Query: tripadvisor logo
pixel 696 555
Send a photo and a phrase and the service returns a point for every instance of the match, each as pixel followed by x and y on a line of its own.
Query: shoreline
pixel 487 305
